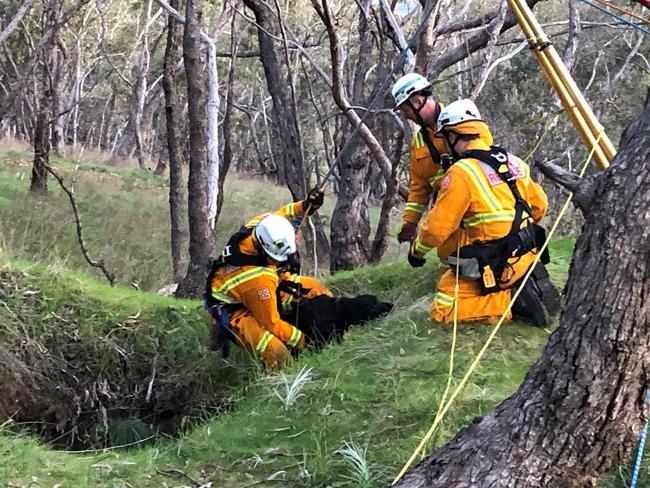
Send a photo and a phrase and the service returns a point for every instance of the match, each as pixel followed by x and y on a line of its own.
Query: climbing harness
pixel 442 412
pixel 487 261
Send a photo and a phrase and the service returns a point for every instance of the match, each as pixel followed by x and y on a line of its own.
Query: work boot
pixel 549 294
pixel 529 305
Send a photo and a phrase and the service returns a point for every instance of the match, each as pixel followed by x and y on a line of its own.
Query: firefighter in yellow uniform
pixel 486 213
pixel 412 96
pixel 241 295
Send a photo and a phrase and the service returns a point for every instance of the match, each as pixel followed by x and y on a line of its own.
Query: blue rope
pixel 632 24
pixel 639 453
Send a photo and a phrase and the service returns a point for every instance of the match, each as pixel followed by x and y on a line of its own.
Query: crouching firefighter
pixel 241 290
pixel 486 219
pixel 308 304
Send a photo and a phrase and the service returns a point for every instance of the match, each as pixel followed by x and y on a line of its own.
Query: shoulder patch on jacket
pixel 445 182
pixel 264 294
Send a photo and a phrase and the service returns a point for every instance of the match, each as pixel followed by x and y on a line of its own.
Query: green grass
pixel 378 391
pixel 369 403
pixel 124 213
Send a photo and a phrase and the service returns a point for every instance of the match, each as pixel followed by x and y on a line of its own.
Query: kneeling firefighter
pixel 308 304
pixel 241 291
pixel 486 218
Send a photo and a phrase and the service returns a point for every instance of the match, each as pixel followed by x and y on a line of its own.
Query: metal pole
pixel 572 98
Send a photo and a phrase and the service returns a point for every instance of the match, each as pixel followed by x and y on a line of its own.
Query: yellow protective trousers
pixel 472 306
pixel 254 338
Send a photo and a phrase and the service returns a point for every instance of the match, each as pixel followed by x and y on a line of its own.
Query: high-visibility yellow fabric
pixel 257 325
pixel 310 288
pixel 290 212
pixel 424 175
pixel 470 195
pixel 249 335
pixel 477 127
pixel 474 205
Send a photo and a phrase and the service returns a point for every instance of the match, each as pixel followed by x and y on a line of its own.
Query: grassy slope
pixel 124 215
pixel 378 390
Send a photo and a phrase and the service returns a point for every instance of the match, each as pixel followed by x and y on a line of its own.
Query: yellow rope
pixel 428 435
pixel 493 334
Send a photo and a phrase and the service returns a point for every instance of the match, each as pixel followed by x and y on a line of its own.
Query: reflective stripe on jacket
pixel 474 198
pixel 255 287
pixel 424 176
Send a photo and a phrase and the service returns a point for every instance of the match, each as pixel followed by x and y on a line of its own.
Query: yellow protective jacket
pixel 310 288
pixel 473 198
pixel 425 174
pixel 255 287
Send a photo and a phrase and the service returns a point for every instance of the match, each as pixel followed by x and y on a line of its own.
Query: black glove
pixel 415 261
pixel 293 263
pixel 408 232
pixel 315 198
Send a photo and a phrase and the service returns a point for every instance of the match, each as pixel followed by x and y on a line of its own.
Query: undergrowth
pixel 349 416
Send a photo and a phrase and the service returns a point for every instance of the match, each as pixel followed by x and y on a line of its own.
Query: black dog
pixel 324 319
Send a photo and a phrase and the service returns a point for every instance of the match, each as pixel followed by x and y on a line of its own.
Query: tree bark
pixel 201 237
pixel 213 119
pixel 285 116
pixel 291 165
pixel 226 159
pixel 581 408
pixel 350 229
pixel 174 150
pixel 38 183
pixel 13 23
pixel 141 86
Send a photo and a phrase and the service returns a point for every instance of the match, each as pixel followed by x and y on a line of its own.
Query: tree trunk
pixel 173 118
pixel 141 86
pixel 18 86
pixel 350 235
pixel 59 63
pixel 291 164
pixel 226 159
pixel 38 183
pixel 201 237
pixel 285 117
pixel 350 225
pixel 581 408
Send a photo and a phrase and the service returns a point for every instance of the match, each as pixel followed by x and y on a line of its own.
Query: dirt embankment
pixel 89 378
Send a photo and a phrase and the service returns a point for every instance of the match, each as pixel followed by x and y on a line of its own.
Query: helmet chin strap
pixel 416 111
pixel 452 147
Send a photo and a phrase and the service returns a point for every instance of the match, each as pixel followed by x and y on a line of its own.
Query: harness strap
pixel 221 333
pixel 491 258
pixel 497 159
pixel 234 257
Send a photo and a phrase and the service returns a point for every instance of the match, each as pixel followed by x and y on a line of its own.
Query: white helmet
pixel 276 236
pixel 458 112
pixel 408 85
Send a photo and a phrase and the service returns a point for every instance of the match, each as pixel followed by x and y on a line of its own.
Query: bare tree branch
pixel 470 46
pixel 617 76
pixel 495 27
pixel 19 85
pixel 397 35
pixel 582 188
pixel 97 264
pixel 24 8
